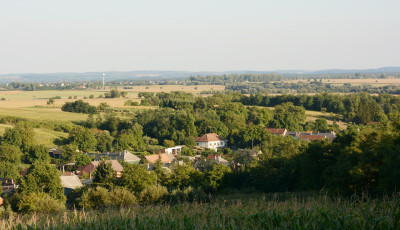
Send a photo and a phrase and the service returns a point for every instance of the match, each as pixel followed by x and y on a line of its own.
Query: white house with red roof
pixel 210 141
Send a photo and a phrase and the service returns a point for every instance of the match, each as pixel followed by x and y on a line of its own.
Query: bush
pixel 39 203
pixel 100 197
pixel 154 194
pixel 189 194
pixel 95 197
pixel 122 197
pixel 168 143
pixel 79 107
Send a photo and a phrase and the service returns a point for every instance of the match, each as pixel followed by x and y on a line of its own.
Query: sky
pixel 45 36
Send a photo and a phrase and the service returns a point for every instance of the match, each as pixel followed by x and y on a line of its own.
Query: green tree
pixel 10 158
pixel 321 124
pixel 38 152
pixel 289 116
pixel 168 143
pixel 136 178
pixel 69 153
pixel 83 160
pixel 184 176
pixel 104 175
pixel 214 178
pixel 83 138
pixel 104 141
pixel 22 136
pixel 43 178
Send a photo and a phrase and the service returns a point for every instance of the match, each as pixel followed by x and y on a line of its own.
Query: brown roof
pixel 93 165
pixel 275 131
pixel 311 137
pixel 213 156
pixel 165 158
pixel 209 137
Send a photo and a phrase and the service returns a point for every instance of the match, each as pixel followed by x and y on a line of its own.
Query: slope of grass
pixel 42 136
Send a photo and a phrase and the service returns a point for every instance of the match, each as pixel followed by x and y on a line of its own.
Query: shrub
pixel 95 197
pixel 154 194
pixel 189 194
pixel 100 197
pixel 122 197
pixel 39 203
pixel 79 107
pixel 168 143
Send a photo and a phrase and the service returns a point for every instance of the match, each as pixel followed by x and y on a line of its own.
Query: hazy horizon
pixel 93 36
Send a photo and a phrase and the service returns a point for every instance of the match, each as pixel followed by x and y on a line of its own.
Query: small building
pixel 251 152
pixel 70 183
pixel 124 156
pixel 173 150
pixel 280 132
pixel 166 159
pixel 218 159
pixel 210 141
pixel 89 169
pixel 317 136
pixel 56 153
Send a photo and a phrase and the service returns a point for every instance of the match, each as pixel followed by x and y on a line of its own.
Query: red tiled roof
pixel 213 156
pixel 209 137
pixel 275 131
pixel 93 165
pixel 165 158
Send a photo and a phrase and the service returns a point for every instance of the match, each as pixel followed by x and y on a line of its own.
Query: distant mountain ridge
pixel 170 75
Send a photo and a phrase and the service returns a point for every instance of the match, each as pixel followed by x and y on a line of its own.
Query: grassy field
pixel 254 211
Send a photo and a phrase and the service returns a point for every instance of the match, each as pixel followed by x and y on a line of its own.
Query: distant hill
pixel 163 75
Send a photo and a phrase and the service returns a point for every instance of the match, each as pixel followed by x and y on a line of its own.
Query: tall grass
pixel 279 211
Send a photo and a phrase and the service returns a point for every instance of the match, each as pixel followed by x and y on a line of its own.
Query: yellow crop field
pixel 42 114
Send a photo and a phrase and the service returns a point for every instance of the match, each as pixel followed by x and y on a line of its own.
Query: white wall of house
pixel 177 149
pixel 211 144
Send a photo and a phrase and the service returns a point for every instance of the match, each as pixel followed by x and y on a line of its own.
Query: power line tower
pixel 103 80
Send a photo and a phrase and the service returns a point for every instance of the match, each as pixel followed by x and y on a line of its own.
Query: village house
pixel 173 150
pixel 89 169
pixel 218 159
pixel 70 183
pixel 124 156
pixel 317 136
pixel 166 159
pixel 280 132
pixel 55 153
pixel 210 141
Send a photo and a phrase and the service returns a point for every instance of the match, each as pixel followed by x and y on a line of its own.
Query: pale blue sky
pixel 197 35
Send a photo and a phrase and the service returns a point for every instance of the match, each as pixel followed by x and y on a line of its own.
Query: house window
pixel 222 143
